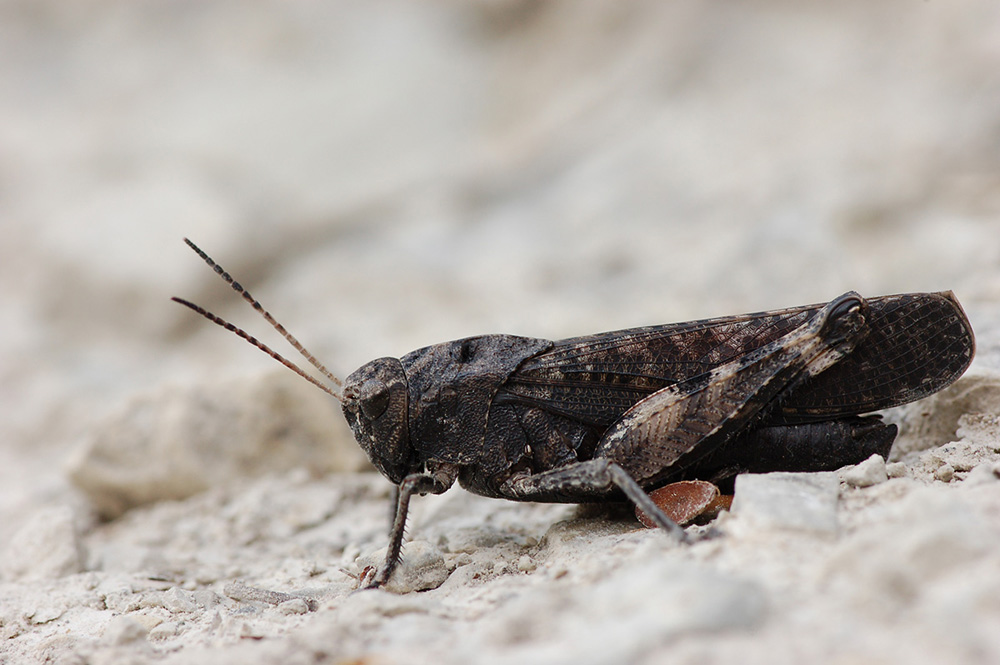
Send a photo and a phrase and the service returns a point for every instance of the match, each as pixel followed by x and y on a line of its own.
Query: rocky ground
pixel 389 175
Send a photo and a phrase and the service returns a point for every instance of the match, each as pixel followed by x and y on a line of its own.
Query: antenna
pixel 270 319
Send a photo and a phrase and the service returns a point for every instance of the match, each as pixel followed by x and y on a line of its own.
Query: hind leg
pixel 581 482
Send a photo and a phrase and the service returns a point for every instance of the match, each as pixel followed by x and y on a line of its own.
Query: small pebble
pixel 206 598
pixel 525 564
pixel 163 631
pixel 870 472
pixel 124 630
pixel 945 473
pixel 895 470
pixel 294 606
pixel 122 601
pixel 178 600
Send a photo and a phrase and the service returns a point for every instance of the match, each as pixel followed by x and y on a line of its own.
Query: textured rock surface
pixel 176 442
pixel 46 546
pixel 386 175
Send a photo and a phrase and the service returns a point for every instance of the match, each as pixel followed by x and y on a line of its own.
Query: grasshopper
pixel 615 415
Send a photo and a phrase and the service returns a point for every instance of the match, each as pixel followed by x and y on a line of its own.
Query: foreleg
pixel 416 483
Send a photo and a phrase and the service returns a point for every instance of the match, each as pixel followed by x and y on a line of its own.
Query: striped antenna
pixel 270 319
pixel 260 345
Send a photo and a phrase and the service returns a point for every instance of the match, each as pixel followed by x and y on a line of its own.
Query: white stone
pixel 865 474
pixel 787 501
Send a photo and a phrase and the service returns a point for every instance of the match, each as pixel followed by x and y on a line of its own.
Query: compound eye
pixel 374 399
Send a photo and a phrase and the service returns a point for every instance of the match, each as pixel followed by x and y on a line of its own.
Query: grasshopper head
pixel 375 397
pixel 376 403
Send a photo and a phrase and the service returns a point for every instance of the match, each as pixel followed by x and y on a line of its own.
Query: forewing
pixel 595 379
pixel 917 344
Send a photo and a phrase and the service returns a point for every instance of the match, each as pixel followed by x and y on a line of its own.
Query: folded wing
pixel 917 345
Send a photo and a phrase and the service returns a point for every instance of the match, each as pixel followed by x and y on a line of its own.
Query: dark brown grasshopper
pixel 611 416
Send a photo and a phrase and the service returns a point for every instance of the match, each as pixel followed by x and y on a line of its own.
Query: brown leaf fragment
pixel 684 501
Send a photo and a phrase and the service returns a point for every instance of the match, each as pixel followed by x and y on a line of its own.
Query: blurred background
pixel 385 175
